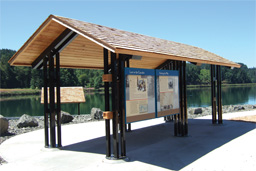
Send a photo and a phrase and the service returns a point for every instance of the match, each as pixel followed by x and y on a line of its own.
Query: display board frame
pixel 139 94
pixel 150 93
pixel 167 92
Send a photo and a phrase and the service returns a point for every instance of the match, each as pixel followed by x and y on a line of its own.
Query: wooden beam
pixel 197 64
pixel 52 46
pixel 173 57
pixel 62 44
pixel 163 64
pixel 84 34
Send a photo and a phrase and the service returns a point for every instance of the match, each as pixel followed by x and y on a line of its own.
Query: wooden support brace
pixel 107 78
pixel 107 115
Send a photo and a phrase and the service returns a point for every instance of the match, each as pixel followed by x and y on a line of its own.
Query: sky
pixel 226 28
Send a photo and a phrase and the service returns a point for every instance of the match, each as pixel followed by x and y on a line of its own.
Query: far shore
pixel 5 92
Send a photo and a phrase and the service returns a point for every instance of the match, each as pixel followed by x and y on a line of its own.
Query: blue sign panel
pixel 167 84
pixel 139 94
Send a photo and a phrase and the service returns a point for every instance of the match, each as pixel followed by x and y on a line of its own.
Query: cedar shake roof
pixel 86 50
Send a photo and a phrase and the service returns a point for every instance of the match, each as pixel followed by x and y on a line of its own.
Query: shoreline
pixel 13 130
pixel 5 92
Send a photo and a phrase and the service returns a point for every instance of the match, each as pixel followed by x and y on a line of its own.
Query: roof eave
pixel 173 57
pixel 26 44
pixel 63 23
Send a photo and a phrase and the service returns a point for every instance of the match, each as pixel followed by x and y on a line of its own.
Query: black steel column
pixel 52 102
pixel 219 94
pixel 213 93
pixel 122 106
pixel 185 99
pixel 128 65
pixel 182 99
pixel 58 98
pixel 114 106
pixel 176 116
pixel 107 108
pixel 181 102
pixel 78 108
pixel 46 109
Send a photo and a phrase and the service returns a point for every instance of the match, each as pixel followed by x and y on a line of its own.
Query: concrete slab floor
pixel 150 146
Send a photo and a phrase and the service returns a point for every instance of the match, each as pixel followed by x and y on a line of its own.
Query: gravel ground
pixel 14 130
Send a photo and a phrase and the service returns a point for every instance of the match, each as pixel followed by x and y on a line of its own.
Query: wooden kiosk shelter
pixel 68 43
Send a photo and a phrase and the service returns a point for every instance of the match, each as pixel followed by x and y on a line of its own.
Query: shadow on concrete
pixel 156 144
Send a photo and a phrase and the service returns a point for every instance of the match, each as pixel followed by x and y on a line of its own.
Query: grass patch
pixel 19 92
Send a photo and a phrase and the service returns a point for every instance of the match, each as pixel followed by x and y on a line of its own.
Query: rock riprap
pixel 198 111
pixel 4 124
pixel 66 117
pixel 27 121
pixel 96 113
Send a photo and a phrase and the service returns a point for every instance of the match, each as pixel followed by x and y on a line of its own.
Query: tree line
pixel 201 75
pixel 26 77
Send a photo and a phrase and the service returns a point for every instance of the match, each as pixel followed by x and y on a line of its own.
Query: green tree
pixel 252 74
pixel 192 72
pixel 97 82
pixel 83 79
pixel 68 77
pixel 36 79
pixel 204 76
pixel 23 76
pixel 8 77
pixel 240 75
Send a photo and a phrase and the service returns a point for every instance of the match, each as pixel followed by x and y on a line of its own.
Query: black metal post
pixel 122 106
pixel 53 80
pixel 175 118
pixel 185 99
pixel 78 108
pixel 175 67
pixel 46 109
pixel 58 98
pixel 181 103
pixel 114 106
pixel 107 108
pixel 182 99
pixel 52 102
pixel 213 94
pixel 129 124
pixel 219 94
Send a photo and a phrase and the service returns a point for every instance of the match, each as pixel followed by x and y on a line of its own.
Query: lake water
pixel 199 97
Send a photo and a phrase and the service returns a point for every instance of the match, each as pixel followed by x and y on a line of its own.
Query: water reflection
pixel 196 97
pixel 230 95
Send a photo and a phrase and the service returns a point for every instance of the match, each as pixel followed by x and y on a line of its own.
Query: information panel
pixel 139 94
pixel 167 92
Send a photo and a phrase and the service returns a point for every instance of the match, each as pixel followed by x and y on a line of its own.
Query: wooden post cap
pixel 108 115
pixel 107 78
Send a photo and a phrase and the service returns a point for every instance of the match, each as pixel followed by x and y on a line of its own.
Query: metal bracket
pixel 107 78
pixel 107 115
